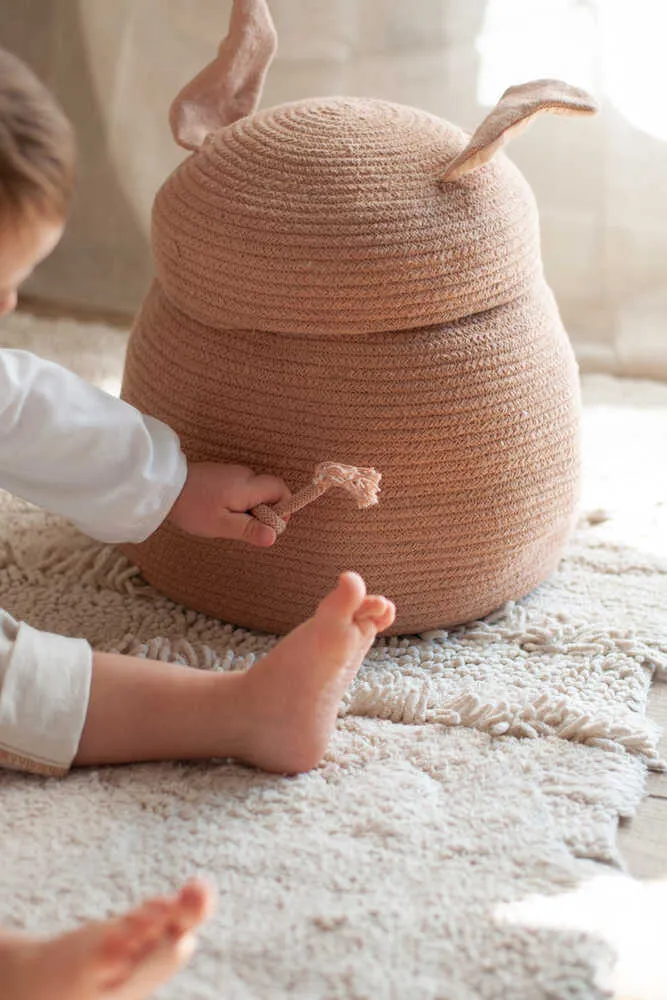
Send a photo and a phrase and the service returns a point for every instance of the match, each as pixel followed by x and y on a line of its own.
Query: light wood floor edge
pixel 643 839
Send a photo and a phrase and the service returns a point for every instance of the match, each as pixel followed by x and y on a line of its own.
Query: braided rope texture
pixel 361 484
pixel 319 296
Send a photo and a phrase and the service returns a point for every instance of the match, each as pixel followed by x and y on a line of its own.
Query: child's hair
pixel 37 151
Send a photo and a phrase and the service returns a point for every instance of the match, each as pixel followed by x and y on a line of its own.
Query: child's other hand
pixel 214 501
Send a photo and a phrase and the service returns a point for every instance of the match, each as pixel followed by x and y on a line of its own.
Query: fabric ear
pixel 513 112
pixel 230 87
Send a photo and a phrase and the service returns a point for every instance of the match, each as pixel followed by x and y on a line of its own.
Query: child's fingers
pixel 245 528
pixel 265 489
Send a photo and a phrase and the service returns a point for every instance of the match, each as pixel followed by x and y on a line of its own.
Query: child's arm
pixel 75 450
pixel 71 448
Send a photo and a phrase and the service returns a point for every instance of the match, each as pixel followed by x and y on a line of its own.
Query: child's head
pixel 37 156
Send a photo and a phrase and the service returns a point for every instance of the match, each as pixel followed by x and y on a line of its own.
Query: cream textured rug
pixel 470 770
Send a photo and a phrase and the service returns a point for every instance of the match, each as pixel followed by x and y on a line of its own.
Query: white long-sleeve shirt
pixel 73 449
pixel 77 451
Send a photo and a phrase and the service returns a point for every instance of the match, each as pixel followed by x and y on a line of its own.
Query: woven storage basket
pixel 321 295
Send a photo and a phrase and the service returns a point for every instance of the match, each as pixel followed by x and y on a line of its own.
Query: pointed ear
pixel 516 109
pixel 230 87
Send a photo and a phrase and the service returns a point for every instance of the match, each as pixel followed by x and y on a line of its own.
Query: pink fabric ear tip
pixel 230 87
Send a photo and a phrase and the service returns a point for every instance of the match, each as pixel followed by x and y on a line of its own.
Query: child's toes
pixel 377 610
pixel 130 938
pixel 387 616
pixel 159 965
pixel 143 927
pixel 194 903
pixel 345 599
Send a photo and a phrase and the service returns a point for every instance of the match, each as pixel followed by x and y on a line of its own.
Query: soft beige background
pixel 601 184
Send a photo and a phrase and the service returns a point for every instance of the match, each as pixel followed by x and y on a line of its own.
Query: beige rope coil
pixel 363 485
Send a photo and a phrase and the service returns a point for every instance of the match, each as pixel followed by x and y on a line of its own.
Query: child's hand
pixel 214 500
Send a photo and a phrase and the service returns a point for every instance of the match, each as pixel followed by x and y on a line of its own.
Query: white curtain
pixel 601 183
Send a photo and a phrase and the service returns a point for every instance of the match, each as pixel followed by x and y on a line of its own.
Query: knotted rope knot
pixel 362 484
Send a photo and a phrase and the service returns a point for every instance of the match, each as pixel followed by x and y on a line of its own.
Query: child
pixel 117 474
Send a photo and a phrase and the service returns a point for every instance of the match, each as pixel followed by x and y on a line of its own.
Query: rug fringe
pixel 94 564
pixel 545 717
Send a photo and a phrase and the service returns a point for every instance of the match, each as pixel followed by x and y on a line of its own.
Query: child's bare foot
pixel 120 959
pixel 279 715
pixel 291 697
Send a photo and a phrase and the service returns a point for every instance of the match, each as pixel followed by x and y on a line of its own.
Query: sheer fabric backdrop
pixel 601 183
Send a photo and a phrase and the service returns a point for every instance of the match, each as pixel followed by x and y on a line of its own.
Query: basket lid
pixel 330 216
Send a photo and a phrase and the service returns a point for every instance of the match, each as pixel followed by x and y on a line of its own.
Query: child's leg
pixel 279 715
pixel 122 959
